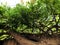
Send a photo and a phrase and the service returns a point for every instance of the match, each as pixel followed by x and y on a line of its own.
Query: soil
pixel 50 41
pixel 43 40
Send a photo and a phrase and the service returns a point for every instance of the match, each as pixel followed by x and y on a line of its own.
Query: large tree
pixel 41 17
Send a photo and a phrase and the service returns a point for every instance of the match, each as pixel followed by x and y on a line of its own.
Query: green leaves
pixel 39 17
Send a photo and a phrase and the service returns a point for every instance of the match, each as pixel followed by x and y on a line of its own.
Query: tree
pixel 41 17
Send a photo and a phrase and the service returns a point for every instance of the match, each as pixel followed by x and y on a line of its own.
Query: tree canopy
pixel 43 16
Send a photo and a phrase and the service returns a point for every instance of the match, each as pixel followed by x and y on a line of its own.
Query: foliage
pixel 43 16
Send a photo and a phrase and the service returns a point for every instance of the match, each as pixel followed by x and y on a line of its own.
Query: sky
pixel 11 3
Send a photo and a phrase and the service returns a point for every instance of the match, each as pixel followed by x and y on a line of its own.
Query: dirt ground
pixel 51 41
pixel 43 40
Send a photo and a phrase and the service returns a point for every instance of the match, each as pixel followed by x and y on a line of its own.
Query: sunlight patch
pixel 12 3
